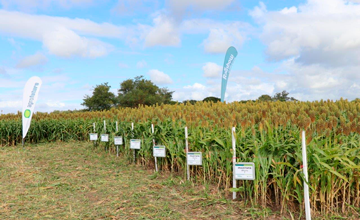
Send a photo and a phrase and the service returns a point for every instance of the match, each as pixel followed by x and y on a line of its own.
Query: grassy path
pixel 72 181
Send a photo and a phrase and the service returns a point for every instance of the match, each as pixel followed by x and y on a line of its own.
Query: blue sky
pixel 309 48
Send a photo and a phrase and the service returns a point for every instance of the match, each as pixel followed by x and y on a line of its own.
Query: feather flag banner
pixel 230 56
pixel 31 92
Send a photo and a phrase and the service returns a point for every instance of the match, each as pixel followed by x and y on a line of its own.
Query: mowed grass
pixel 77 181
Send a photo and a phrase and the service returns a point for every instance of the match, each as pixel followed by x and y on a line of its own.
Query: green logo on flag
pixel 27 113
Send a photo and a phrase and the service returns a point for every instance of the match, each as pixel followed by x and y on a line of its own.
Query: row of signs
pixel 242 170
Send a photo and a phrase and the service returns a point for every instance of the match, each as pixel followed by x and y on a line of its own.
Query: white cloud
pixel 56 104
pixel 318 32
pixel 212 70
pixel 164 32
pixel 220 40
pixel 221 34
pixel 289 10
pixel 62 36
pixel 317 47
pixel 259 12
pixel 159 77
pixel 66 43
pixel 197 86
pixel 141 64
pixel 32 60
pixel 10 104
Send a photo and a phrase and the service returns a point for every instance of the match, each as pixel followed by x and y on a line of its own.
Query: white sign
pixel 135 144
pixel 105 137
pixel 244 171
pixel 118 140
pixel 93 136
pixel 194 158
pixel 159 151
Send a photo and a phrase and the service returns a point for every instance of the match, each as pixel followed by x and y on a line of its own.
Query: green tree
pixel 190 101
pixel 101 99
pixel 264 98
pixel 211 99
pixel 283 97
pixel 139 91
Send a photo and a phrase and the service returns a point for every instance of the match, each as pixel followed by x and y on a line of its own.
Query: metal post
pixel 156 166
pixel 306 186
pixel 117 147
pixel 94 132
pixel 132 129
pixel 234 159
pixel 186 151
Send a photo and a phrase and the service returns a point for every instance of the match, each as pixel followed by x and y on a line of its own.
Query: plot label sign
pixel 118 140
pixel 159 151
pixel 244 171
pixel 104 137
pixel 135 144
pixel 93 136
pixel 194 158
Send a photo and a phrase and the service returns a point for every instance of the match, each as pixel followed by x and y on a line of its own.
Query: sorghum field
pixel 267 133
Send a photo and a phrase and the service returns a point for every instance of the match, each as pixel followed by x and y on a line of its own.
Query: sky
pixel 309 48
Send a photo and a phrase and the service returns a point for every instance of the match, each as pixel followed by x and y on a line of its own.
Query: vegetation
pixel 102 98
pixel 212 99
pixel 76 181
pixel 132 92
pixel 142 92
pixel 267 133
pixel 280 96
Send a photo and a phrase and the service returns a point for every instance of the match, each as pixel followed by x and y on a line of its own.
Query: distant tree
pixel 174 102
pixel 246 101
pixel 191 101
pixel 212 99
pixel 283 97
pixel 264 98
pixel 101 99
pixel 139 91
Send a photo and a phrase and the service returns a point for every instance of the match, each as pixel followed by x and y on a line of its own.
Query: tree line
pixel 140 91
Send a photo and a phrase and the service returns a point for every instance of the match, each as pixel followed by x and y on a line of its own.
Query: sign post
pixel 94 136
pixel 192 158
pixel 135 144
pixel 234 158
pixel 104 137
pixel 132 129
pixel 152 130
pixel 306 186
pixel 117 140
pixel 186 151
